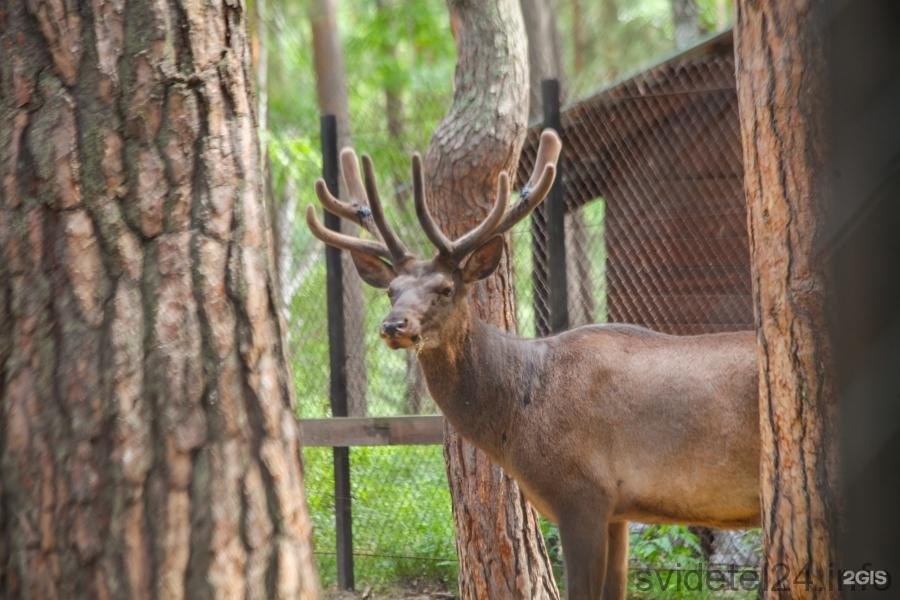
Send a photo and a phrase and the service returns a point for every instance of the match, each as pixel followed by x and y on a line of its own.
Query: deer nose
pixel 393 327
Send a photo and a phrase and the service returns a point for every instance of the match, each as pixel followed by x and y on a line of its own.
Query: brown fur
pixel 600 425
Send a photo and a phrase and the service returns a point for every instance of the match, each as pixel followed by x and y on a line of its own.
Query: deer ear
pixel 484 260
pixel 372 269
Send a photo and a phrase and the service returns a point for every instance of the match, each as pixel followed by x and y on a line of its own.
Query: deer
pixel 599 425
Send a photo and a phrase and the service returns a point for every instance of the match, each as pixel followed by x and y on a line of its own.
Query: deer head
pixel 428 297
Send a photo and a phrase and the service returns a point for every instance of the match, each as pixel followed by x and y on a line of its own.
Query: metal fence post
pixel 337 354
pixel 557 280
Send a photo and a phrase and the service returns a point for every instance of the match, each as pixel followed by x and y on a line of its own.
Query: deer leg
pixel 615 584
pixel 584 543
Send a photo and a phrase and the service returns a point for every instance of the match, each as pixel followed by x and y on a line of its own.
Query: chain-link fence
pixel 655 234
pixel 655 226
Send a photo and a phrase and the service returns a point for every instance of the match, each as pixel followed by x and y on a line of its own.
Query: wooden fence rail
pixel 372 431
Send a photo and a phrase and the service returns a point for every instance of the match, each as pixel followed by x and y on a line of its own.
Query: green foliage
pixel 623 36
pixel 660 558
pixel 402 521
pixel 664 546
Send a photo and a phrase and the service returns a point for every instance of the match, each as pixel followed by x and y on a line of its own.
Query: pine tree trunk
pixel 501 552
pixel 781 92
pixel 331 89
pixel 149 447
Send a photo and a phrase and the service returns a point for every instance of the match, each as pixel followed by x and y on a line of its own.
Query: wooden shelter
pixel 663 151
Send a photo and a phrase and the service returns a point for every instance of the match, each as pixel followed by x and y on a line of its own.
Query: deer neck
pixel 476 378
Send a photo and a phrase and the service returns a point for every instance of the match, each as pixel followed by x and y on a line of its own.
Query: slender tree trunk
pixel 544 54
pixel 578 48
pixel 149 447
pixel 416 390
pixel 545 62
pixel 686 22
pixel 609 22
pixel 501 552
pixel 331 89
pixel 782 90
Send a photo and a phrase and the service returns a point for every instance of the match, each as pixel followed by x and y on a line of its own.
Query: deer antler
pixel 365 209
pixel 469 241
pixel 357 210
pixel 498 220
pixel 538 185
pixel 343 241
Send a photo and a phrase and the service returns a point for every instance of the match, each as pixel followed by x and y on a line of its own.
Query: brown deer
pixel 600 425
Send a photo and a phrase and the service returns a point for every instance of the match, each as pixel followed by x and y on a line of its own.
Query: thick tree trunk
pixel 331 89
pixel 149 447
pixel 782 92
pixel 501 552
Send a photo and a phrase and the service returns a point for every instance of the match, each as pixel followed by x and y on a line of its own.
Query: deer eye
pixel 446 291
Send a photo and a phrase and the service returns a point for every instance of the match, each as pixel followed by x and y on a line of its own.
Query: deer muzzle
pixel 400 332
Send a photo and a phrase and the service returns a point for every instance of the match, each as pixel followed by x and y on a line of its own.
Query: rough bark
pixel 686 23
pixel 259 56
pixel 331 90
pixel 501 552
pixel 149 447
pixel 782 91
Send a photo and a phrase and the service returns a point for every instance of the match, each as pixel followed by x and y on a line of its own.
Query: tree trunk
pixel 609 22
pixel 544 54
pixel 578 46
pixel 331 89
pixel 149 447
pixel 545 62
pixel 501 552
pixel 686 23
pixel 782 91
pixel 416 390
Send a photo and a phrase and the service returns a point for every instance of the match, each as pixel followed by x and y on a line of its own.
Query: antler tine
pixel 343 241
pixel 357 209
pixel 357 213
pixel 433 232
pixel 350 172
pixel 397 249
pixel 539 184
pixel 472 239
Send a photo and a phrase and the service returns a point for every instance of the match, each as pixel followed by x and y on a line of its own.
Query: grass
pixel 402 520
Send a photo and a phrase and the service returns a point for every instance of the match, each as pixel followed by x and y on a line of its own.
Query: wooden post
pixel 556 220
pixel 337 355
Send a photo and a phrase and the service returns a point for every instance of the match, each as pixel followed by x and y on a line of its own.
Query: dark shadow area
pixel 864 254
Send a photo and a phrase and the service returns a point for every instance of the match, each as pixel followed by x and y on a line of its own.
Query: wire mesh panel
pixel 656 231
pixel 662 150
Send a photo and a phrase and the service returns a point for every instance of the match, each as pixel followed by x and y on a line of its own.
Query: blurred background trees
pixel 397 67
